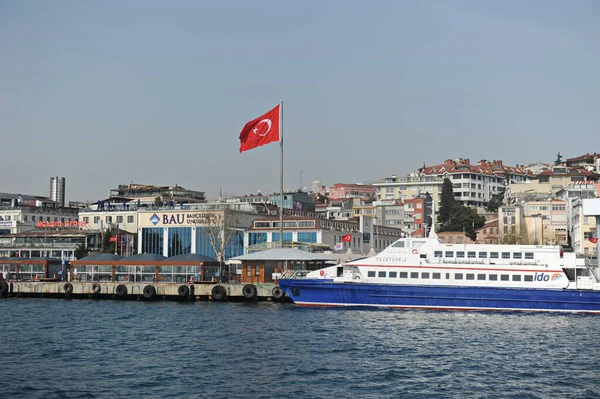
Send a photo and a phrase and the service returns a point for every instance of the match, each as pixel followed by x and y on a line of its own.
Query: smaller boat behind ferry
pixel 428 274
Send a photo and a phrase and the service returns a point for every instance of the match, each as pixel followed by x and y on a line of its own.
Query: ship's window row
pixel 483 255
pixel 457 276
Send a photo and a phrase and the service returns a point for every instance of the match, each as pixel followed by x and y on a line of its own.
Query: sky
pixel 156 92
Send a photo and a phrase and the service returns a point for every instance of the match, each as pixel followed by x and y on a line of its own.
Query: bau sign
pixel 68 223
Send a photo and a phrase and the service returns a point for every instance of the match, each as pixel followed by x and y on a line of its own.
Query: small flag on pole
pixel 347 238
pixel 593 240
pixel 338 246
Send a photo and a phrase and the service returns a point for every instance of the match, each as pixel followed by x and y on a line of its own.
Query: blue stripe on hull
pixel 327 293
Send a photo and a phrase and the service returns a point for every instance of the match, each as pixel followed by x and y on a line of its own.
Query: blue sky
pixel 156 92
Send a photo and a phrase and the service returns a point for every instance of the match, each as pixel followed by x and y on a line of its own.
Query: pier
pixel 142 291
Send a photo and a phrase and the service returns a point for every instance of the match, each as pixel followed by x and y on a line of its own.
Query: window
pixel 393 274
pixel 398 244
pixel 493 255
pixel 403 274
pixel 290 224
pixel 96 219
pixel 306 223
pixel 493 277
pixel 437 254
pixel 483 255
pixel 257 270
pixel 504 277
pixel 262 224
pixel 381 274
pixel 470 276
pixel 109 219
pixel 460 254
pixel 458 276
pixel 119 219
pixel 86 219
pixel 471 254
pixel 449 254
pixel 130 219
pixel 528 255
pixel 516 277
pixel 436 276
pixel 248 270
pixel 414 274
pixel 371 274
pixel 33 218
pixel 424 275
pixel 481 277
pixel 505 255
pixel 517 255
pixel 528 277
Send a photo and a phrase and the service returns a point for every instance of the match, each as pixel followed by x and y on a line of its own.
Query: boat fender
pixel 149 292
pixel 3 288
pixel 218 293
pixel 183 290
pixel 68 287
pixel 278 292
pixel 96 288
pixel 121 290
pixel 322 272
pixel 415 251
pixel 249 291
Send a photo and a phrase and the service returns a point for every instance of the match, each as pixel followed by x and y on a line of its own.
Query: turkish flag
pixel 112 239
pixel 593 240
pixel 347 238
pixel 260 131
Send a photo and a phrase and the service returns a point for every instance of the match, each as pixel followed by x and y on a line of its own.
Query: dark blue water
pixel 53 348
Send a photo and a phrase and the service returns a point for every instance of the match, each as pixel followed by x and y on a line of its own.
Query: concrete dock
pixel 143 291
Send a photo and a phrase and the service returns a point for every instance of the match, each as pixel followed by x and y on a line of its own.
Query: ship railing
pixel 294 274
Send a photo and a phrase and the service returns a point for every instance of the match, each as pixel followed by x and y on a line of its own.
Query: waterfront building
pixel 51 242
pixel 534 222
pixel 101 219
pixel 295 200
pixel 316 234
pixel 21 213
pixel 144 195
pixel 581 228
pixel 389 213
pixel 489 233
pixel 411 186
pixel 550 182
pixel 343 191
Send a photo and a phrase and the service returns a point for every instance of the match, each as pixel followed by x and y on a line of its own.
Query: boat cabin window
pixel 528 255
pixel 449 254
pixel 504 277
pixel 414 274
pixel 483 255
pixel 418 244
pixel 398 244
pixel 381 274
pixel 424 275
pixel 393 274
pixel 505 255
pixel 458 276
pixel 517 255
pixel 528 277
pixel 470 276
pixel 493 277
pixel 481 277
pixel 437 254
pixel 436 276
pixel 460 254
pixel 516 277
pixel 493 255
pixel 371 274
pixel 340 271
pixel 471 254
pixel 403 274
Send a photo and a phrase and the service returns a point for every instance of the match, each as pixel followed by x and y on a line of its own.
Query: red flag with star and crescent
pixel 260 131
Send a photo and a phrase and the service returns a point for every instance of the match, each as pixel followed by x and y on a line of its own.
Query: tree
pixel 81 251
pixel 107 246
pixel 158 202
pixel 496 201
pixel 454 216
pixel 220 229
pixel 176 245
pixel 447 203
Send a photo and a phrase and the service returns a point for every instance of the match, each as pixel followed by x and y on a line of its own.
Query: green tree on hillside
pixel 496 201
pixel 454 216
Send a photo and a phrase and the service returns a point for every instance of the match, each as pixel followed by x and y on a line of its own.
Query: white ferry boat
pixel 426 273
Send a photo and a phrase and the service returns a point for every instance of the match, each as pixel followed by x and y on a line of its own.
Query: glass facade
pixel 180 240
pixel 306 236
pixel 256 238
pixel 235 246
pixel 287 236
pixel 152 240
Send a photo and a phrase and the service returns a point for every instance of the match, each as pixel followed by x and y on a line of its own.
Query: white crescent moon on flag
pixel 268 122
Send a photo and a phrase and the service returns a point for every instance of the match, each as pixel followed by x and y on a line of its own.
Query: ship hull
pixel 319 292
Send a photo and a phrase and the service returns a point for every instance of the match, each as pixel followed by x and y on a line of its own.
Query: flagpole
pixel 281 177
